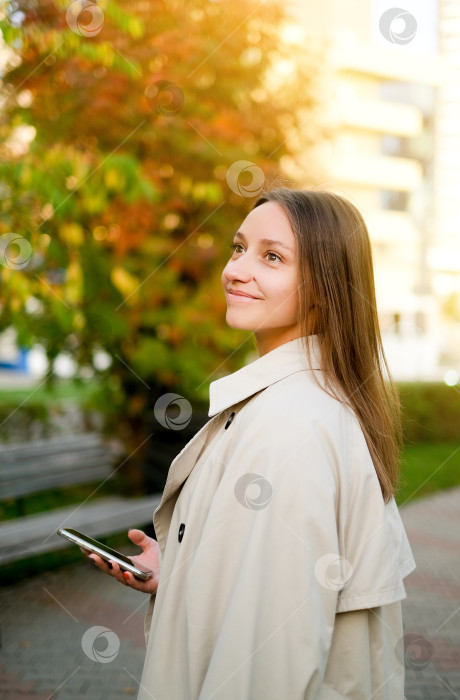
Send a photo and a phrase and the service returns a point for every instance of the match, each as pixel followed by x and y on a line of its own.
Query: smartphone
pixel 104 552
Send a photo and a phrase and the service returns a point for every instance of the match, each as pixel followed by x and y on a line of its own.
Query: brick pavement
pixel 47 622
pixel 432 608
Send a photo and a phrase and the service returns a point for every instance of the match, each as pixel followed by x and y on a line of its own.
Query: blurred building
pixel 444 253
pixel 393 103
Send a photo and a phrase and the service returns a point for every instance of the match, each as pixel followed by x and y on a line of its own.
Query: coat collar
pixel 257 375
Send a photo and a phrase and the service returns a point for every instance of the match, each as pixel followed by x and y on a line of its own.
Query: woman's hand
pixel 148 559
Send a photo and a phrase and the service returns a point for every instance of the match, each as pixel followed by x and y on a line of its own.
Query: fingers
pixel 99 562
pixel 140 538
pixel 147 586
pixel 124 577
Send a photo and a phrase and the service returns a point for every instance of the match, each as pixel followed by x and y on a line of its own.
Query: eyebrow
pixel 265 241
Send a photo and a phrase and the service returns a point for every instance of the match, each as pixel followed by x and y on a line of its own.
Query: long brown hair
pixel 337 283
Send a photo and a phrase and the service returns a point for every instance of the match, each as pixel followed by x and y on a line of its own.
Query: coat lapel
pixel 181 466
pixel 183 463
pixel 257 375
pixel 231 391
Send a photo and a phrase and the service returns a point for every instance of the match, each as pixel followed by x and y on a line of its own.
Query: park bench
pixel 60 462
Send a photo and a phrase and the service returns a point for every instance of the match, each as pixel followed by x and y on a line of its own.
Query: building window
pixel 396 201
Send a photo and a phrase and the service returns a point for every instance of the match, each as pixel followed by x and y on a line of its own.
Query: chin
pixel 239 323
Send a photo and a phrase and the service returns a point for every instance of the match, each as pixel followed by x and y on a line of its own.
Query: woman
pixel 281 555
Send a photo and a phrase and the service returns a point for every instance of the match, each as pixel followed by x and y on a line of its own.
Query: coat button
pixel 232 415
pixel 181 531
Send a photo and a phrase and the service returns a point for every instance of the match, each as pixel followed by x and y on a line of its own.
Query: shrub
pixel 431 412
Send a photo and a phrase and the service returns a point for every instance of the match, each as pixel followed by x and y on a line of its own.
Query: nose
pixel 238 269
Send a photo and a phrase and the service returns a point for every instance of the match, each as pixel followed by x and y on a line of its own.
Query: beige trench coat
pixel 281 567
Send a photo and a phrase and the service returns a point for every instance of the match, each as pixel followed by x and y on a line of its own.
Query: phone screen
pixel 103 551
pixel 108 550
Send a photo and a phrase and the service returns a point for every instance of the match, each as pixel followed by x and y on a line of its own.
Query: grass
pixel 427 468
pixel 63 390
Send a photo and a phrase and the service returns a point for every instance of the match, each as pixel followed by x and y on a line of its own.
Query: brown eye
pixel 276 255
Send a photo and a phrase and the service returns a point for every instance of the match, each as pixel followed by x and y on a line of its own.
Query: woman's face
pixel 267 271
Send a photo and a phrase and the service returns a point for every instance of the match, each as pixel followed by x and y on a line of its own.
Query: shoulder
pixel 295 416
pixel 297 411
pixel 298 402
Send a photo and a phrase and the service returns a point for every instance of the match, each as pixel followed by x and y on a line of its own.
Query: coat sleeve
pixel 272 534
pixel 374 540
pixel 148 616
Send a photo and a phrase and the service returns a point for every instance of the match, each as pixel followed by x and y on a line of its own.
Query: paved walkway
pixel 432 608
pixel 52 647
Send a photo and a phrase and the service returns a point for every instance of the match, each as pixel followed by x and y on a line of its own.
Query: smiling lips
pixel 241 295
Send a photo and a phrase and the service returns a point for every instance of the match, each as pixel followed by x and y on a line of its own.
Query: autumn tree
pixel 121 125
